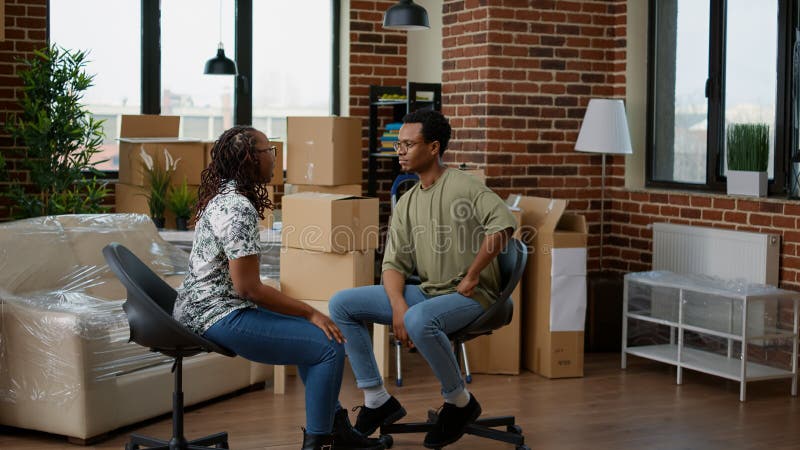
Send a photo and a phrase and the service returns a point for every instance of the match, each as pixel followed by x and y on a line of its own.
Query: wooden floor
pixel 639 408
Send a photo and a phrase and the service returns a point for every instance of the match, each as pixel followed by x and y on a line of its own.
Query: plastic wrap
pixel 712 310
pixel 62 327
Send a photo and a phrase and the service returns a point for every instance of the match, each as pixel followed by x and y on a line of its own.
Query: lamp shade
pixel 406 15
pixel 604 128
pixel 220 65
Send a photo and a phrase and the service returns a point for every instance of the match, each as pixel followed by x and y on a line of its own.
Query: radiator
pixel 734 255
pixel 727 254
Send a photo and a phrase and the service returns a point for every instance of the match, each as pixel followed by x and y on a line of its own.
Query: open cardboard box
pixel 554 287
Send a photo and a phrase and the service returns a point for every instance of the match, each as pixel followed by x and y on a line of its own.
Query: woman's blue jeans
pixel 267 337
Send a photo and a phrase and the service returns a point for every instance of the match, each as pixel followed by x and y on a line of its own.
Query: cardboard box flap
pixel 542 213
pixel 572 222
pixel 325 196
pixel 149 125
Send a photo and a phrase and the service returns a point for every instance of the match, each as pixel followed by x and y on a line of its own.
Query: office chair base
pixel 483 427
pixel 217 440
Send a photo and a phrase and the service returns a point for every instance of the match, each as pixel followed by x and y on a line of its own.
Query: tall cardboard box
pixel 329 222
pixel 345 189
pixel 323 151
pixel 154 134
pixel 277 173
pixel 554 288
pixel 310 275
pixel 501 351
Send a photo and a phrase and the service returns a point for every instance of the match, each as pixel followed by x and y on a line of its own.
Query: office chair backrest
pixel 403 179
pixel 512 265
pixel 149 308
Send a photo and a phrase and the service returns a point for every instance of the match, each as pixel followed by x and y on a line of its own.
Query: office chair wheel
pixel 516 429
pixel 398 382
pixel 523 447
pixel 468 379
pixel 129 446
pixel 387 440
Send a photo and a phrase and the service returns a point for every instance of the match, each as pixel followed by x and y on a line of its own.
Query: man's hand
pixel 325 324
pixel 467 285
pixel 398 326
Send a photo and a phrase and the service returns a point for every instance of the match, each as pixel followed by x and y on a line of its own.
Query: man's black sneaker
pixel 346 437
pixel 451 423
pixel 369 419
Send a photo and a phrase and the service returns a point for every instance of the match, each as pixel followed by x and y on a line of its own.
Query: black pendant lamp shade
pixel 406 15
pixel 220 65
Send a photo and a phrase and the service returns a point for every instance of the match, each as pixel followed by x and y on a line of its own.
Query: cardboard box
pixel 323 151
pixel 345 189
pixel 309 275
pixel 329 222
pixel 154 134
pixel 478 173
pixel 277 174
pixel 501 351
pixel 554 288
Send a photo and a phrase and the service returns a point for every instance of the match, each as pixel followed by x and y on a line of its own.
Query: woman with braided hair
pixel 223 299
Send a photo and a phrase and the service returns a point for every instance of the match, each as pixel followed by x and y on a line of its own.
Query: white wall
pixel 636 92
pixel 425 46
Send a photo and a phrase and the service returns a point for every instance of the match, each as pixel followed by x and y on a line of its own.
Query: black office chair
pixel 149 310
pixel 512 265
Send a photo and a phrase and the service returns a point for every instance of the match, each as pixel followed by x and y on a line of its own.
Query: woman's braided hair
pixel 234 157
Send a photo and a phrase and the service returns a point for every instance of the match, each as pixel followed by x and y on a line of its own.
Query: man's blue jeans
pixel 267 337
pixel 428 322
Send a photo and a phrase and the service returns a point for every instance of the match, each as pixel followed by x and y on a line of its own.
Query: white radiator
pixel 728 254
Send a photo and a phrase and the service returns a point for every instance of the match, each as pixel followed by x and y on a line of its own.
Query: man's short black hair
pixel 435 126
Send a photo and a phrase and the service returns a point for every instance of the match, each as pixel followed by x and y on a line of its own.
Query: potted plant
pixel 58 138
pixel 158 182
pixel 748 159
pixel 181 202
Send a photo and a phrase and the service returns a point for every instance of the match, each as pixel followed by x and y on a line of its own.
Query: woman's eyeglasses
pixel 271 149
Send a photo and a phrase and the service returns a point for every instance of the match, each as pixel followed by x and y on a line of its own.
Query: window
pixel 714 63
pixel 290 46
pixel 114 60
pixel 186 45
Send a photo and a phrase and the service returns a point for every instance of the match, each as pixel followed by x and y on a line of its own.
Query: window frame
pixel 243 35
pixel 787 22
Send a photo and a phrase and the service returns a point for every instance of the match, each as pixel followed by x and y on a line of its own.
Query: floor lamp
pixel 604 130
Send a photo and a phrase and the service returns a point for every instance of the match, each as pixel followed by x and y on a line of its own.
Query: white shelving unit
pixel 733 312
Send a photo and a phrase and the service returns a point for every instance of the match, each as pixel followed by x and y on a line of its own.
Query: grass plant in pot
pixel 748 159
pixel 182 202
pixel 158 182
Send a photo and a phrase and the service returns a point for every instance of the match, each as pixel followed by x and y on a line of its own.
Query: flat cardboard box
pixel 329 222
pixel 345 189
pixel 554 288
pixel 501 351
pixel 190 165
pixel 323 151
pixel 277 174
pixel 149 126
pixel 309 275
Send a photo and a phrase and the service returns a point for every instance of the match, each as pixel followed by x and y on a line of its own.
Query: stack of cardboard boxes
pixel 154 134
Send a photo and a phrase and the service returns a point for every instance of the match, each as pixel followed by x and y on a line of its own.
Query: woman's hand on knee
pixel 325 324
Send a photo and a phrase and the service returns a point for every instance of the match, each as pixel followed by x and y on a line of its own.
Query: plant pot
pixel 181 223
pixel 159 221
pixel 741 182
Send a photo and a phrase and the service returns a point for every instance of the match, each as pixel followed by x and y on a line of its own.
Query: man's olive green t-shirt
pixel 439 230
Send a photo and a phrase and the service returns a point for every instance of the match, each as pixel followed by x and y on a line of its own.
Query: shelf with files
pixel 417 96
pixel 695 322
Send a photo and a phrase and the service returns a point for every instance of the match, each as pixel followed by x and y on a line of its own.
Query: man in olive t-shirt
pixel 449 228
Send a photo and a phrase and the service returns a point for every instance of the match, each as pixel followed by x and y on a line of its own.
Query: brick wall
pixel 377 57
pixel 517 76
pixel 25 31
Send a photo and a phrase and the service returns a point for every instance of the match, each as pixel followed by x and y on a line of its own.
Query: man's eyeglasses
pixel 403 145
pixel 271 149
